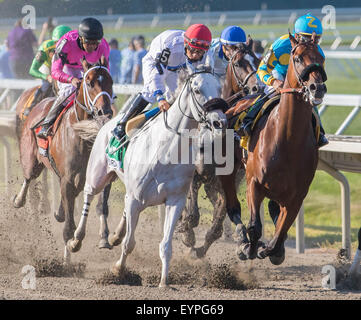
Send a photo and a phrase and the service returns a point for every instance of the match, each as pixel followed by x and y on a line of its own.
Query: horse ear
pixel 313 37
pixel 85 64
pixel 103 61
pixel 294 42
pixel 249 43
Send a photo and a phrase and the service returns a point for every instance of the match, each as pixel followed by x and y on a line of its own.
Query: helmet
pixel 198 36
pixel 308 24
pixel 233 35
pixel 59 31
pixel 91 28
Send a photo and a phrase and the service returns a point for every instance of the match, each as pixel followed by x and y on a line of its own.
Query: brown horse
pixel 283 153
pixel 240 81
pixel 67 153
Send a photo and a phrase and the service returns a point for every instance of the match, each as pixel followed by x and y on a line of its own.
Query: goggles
pixel 90 42
pixel 198 44
pixel 308 38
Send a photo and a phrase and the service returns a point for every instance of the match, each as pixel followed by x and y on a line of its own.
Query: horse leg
pixel 275 248
pixel 68 195
pixel 132 209
pixel 20 199
pixel 219 213
pixel 102 211
pixel 190 216
pixel 355 269
pixel 44 203
pixel 174 208
pixel 254 230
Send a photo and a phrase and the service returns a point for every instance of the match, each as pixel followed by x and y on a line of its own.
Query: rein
pixel 241 84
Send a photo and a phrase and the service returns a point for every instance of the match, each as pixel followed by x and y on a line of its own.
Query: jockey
pixel 67 69
pixel 169 52
pixel 232 40
pixel 273 67
pixel 40 68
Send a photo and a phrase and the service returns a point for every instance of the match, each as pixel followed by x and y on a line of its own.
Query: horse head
pixel 206 107
pixel 96 90
pixel 241 69
pixel 306 69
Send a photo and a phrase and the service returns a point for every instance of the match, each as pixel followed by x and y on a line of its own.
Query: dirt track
pixel 26 238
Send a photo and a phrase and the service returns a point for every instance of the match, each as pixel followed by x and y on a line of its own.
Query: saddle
pixel 44 143
pixel 265 110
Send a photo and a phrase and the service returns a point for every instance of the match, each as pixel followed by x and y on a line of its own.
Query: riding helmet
pixel 59 31
pixel 308 24
pixel 233 35
pixel 91 28
pixel 198 36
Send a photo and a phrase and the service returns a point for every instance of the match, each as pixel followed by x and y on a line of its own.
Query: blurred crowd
pixel 18 50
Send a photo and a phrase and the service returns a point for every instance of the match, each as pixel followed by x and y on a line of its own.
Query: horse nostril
pixel 217 124
pixel 312 87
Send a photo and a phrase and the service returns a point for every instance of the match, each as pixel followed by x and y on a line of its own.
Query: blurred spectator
pixel 48 26
pixel 258 49
pixel 5 71
pixel 114 60
pixel 140 52
pixel 21 42
pixel 126 66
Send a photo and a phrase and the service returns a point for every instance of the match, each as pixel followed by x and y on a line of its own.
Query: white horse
pixel 151 176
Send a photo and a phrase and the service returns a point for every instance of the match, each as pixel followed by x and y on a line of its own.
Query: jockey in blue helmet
pixel 273 67
pixel 232 40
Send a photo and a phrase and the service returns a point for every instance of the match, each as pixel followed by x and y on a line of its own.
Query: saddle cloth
pixel 44 143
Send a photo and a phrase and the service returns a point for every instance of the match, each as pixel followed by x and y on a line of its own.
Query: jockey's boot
pixel 38 96
pixel 137 106
pixel 54 111
pixel 246 126
pixel 322 141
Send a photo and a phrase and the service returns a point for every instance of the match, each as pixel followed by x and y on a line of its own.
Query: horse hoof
pixel 104 244
pixel 17 204
pixel 241 251
pixel 277 260
pixel 73 245
pixel 59 218
pixel 116 271
pixel 114 240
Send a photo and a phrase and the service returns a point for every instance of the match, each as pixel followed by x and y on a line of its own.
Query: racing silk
pixel 220 61
pixel 274 65
pixel 165 57
pixel 69 54
pixel 42 58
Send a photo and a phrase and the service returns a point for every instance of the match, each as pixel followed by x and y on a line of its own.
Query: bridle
pixel 304 76
pixel 241 84
pixel 89 103
pixel 201 113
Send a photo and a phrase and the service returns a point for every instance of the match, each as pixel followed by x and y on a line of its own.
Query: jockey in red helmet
pixel 168 52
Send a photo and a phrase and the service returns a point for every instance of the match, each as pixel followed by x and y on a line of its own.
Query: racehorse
pixel 150 176
pixel 283 153
pixel 240 81
pixel 68 154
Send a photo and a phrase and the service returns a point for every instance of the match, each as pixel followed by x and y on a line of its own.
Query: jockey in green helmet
pixel 41 65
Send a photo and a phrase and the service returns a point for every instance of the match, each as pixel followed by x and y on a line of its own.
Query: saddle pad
pixel 42 143
pixel 115 153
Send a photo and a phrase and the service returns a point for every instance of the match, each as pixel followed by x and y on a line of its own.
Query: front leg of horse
pixel 20 199
pixel 74 244
pixel 102 210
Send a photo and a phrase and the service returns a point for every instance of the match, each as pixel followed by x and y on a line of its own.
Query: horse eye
pixel 298 59
pixel 197 91
pixel 90 84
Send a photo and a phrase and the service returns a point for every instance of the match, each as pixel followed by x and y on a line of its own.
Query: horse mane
pixel 88 129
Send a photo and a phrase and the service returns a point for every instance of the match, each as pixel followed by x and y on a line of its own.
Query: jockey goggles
pixel 307 38
pixel 198 44
pixel 91 41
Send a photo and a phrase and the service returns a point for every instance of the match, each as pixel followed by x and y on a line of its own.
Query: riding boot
pixel 137 106
pixel 246 126
pixel 54 111
pixel 38 96
pixel 322 140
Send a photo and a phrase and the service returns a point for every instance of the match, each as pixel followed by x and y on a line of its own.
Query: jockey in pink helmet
pixel 67 69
